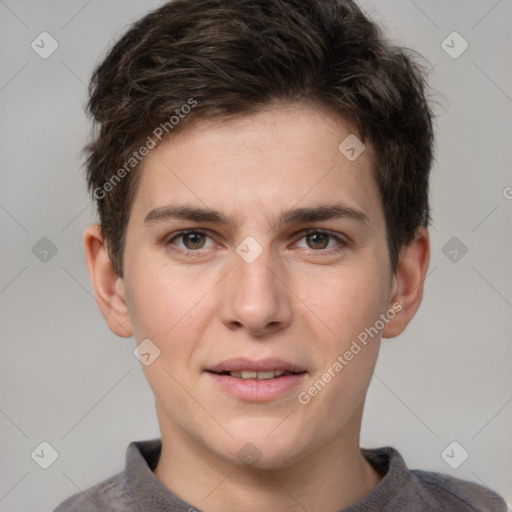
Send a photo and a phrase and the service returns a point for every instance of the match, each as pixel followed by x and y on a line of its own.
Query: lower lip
pixel 257 390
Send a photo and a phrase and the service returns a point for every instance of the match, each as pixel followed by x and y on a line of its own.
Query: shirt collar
pixel 150 494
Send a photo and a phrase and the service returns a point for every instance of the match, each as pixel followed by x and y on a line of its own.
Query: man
pixel 260 170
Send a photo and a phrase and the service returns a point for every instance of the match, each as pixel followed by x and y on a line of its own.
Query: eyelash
pixel 342 244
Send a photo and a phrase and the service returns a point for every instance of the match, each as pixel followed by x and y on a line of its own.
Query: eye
pixel 321 240
pixel 190 240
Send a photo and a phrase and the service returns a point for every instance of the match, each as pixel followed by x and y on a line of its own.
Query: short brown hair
pixel 222 58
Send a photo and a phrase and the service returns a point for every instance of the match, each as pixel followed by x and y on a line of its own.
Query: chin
pixel 263 451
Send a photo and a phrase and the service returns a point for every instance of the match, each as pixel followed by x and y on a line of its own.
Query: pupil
pixel 317 239
pixel 193 241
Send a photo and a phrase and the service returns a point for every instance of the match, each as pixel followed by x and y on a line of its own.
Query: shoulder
pixel 402 489
pixel 123 491
pixel 110 494
pixel 441 489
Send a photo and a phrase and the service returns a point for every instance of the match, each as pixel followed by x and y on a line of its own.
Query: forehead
pixel 259 165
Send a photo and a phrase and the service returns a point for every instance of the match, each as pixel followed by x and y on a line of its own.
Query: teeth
pixel 248 375
pixel 256 375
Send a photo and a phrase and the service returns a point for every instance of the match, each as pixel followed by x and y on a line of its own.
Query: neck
pixel 334 476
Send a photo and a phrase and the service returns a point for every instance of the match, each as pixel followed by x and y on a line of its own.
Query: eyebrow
pixel 293 216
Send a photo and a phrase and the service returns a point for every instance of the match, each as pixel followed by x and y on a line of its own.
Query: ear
pixel 407 287
pixel 108 286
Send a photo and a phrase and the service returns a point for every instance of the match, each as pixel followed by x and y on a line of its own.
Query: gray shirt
pixel 136 489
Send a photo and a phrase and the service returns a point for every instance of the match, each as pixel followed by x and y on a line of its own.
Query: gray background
pixel 65 379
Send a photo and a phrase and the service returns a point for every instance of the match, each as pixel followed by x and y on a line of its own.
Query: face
pixel 282 267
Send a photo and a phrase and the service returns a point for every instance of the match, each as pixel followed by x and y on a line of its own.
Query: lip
pixel 253 390
pixel 263 365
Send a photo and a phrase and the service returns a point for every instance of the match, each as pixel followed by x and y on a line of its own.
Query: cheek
pixel 172 308
pixel 163 308
pixel 349 302
pixel 343 302
pixel 347 358
pixel 150 306
pixel 161 298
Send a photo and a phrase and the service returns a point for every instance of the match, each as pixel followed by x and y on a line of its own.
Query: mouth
pixel 263 369
pixel 261 380
pixel 262 375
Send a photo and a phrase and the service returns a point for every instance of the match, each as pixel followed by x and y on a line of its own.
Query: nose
pixel 255 296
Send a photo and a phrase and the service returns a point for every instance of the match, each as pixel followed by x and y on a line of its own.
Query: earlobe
pixel 108 287
pixel 407 287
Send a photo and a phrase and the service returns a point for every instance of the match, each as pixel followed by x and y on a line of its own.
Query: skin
pixel 299 301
